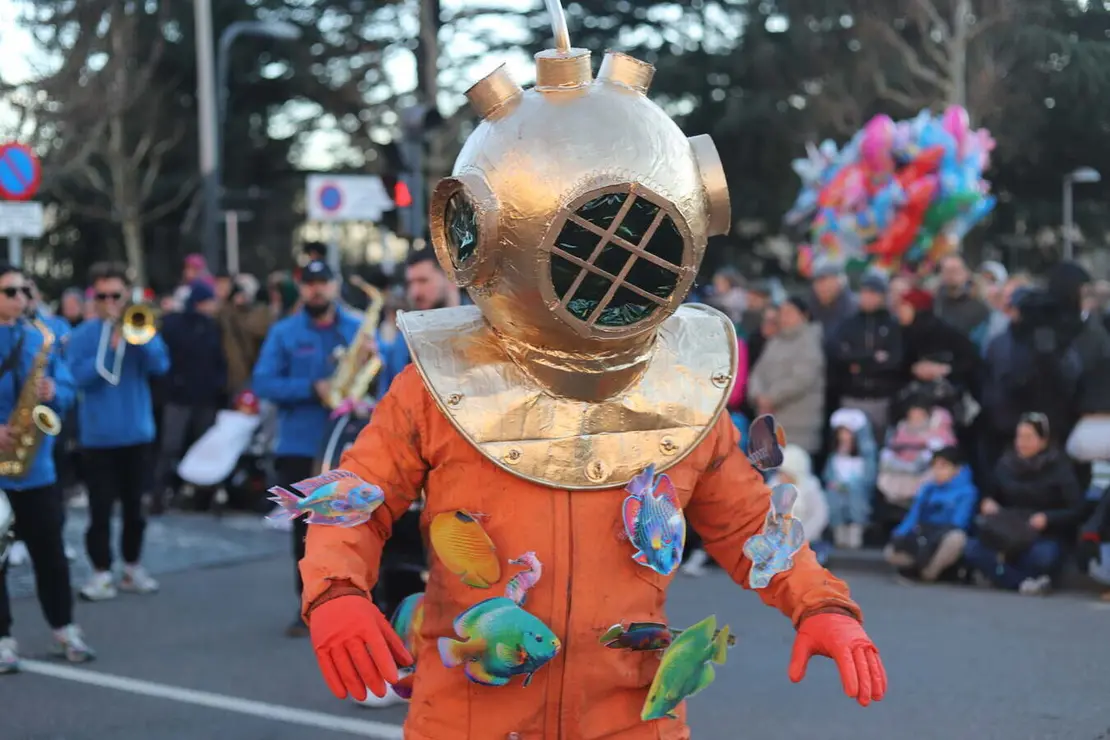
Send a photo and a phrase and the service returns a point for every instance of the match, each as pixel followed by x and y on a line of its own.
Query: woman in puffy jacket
pixel 1035 488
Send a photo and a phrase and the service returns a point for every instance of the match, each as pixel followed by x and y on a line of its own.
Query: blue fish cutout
pixel 654 522
pixel 339 498
pixel 766 440
pixel 773 550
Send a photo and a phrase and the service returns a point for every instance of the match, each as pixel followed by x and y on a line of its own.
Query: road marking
pixel 275 712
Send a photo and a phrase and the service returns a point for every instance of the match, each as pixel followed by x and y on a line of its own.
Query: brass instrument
pixel 350 383
pixel 139 325
pixel 30 420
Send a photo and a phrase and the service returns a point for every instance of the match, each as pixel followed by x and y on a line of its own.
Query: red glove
pixel 356 647
pixel 841 638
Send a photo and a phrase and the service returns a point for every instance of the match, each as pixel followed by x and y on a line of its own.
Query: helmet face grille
pixel 617 258
pixel 460 223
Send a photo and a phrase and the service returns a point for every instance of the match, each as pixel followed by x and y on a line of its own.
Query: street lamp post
pixel 1081 175
pixel 212 72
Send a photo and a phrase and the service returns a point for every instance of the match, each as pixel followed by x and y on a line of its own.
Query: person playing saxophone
pixel 293 372
pixel 31 374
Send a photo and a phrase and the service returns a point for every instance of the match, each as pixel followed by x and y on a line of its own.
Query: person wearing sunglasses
pixel 35 497
pixel 115 428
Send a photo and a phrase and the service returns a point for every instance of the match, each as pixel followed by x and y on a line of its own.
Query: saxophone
pixel 30 420
pixel 350 383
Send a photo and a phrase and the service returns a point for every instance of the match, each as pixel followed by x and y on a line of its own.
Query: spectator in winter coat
pixel 1089 441
pixel 243 325
pixel 932 536
pixel 1036 484
pixel 811 508
pixel 830 301
pixel 956 301
pixel 196 384
pixel 935 351
pixel 867 356
pixel 728 294
pixel 849 476
pixel 789 378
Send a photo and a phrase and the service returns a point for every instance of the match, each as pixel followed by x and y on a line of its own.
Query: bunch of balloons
pixel 897 192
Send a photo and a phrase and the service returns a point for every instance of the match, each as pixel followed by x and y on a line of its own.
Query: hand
pixel 881 356
pixel 841 638
pixel 763 405
pixel 854 369
pixel 322 388
pixel 367 349
pixel 356 647
pixel 6 441
pixel 46 390
pixel 1038 521
pixel 924 371
pixel 989 507
pixel 115 340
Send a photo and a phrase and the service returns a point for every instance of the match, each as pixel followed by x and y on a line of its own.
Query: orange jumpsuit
pixel 589 582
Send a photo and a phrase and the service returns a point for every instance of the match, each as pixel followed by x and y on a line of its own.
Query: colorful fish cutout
pixel 654 522
pixel 766 440
pixel 408 619
pixel 645 637
pixel 465 549
pixel 338 498
pixel 519 585
pixel 499 640
pixel 686 668
pixel 773 550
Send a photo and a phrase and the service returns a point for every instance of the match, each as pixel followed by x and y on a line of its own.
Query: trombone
pixel 137 326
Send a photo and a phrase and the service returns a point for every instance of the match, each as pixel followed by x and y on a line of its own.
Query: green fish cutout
pixel 499 640
pixel 686 668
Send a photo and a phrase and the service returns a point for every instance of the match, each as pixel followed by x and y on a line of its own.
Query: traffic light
pixel 402 196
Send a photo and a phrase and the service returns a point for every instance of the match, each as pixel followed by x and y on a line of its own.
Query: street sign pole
pixel 15 251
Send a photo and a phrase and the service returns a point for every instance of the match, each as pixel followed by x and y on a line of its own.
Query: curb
pixel 870 560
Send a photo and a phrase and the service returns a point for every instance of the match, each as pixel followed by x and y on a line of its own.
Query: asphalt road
pixel 963 664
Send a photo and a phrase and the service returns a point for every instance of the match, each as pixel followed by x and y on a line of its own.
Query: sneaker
pixel 99 588
pixel 380 702
pixel 979 579
pixel 69 643
pixel 18 555
pixel 1039 586
pixel 9 656
pixel 854 537
pixel 136 580
pixel 695 565
pixel 71 553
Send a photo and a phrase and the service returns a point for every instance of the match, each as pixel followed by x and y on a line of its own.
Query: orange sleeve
pixel 729 504
pixel 387 453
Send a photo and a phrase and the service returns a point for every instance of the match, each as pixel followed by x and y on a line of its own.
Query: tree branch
pixel 909 56
pixel 158 212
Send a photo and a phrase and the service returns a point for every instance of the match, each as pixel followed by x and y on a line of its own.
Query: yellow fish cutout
pixel 465 549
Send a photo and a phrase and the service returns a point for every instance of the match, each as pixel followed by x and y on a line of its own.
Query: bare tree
pixel 117 125
pixel 924 53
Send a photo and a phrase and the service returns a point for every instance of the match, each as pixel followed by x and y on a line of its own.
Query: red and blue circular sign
pixel 20 172
pixel 331 198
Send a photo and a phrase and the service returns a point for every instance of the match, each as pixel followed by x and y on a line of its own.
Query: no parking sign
pixel 20 172
pixel 337 198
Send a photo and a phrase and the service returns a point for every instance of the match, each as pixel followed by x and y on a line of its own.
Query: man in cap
pixel 830 300
pixel 293 372
pixel 866 356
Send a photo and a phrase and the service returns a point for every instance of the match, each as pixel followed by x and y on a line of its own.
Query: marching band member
pixel 35 498
pixel 293 371
pixel 116 427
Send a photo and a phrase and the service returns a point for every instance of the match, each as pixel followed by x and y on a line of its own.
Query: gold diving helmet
pixel 577 215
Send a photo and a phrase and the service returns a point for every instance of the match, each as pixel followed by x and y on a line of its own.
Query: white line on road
pixel 275 712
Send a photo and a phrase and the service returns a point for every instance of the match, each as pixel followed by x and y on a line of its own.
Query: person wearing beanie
pixel 195 386
pixel 244 322
pixel 830 300
pixel 788 380
pixel 867 354
pixel 935 351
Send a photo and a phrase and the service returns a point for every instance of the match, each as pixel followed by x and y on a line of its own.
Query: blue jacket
pixel 114 415
pixel 296 354
pixel 395 355
pixel 951 504
pixel 42 471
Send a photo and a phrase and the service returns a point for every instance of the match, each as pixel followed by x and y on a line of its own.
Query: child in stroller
pixel 904 460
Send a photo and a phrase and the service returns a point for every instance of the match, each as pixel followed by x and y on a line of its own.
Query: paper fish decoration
pixel 686 668
pixel 773 550
pixel 519 585
pixel 465 548
pixel 654 522
pixel 645 636
pixel 499 640
pixel 407 621
pixel 766 440
pixel 338 498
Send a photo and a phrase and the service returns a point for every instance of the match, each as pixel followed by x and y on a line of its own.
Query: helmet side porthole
pixel 617 259
pixel 464 224
pixel 460 226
